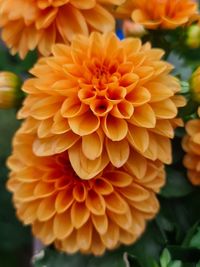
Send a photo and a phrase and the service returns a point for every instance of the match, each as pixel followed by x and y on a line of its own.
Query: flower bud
pixel 195 85
pixel 10 93
pixel 193 36
pixel 133 29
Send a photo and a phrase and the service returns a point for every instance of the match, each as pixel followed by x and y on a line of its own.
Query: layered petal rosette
pixel 99 97
pixel 191 144
pixel 153 14
pixel 27 24
pixel 87 215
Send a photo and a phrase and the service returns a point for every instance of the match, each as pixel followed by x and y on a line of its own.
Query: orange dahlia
pixel 191 144
pixel 153 14
pixel 98 97
pixel 27 24
pixel 86 215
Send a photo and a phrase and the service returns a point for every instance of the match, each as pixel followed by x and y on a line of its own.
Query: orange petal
pixel 43 230
pixel 118 152
pixel 84 124
pixel 118 178
pixel 139 96
pixel 75 23
pixel 164 127
pixel 124 110
pixel 64 200
pixel 136 165
pixel 138 138
pixel 111 237
pixel 46 210
pixel 144 116
pixel 114 128
pixel 45 108
pixel 79 214
pixel 60 125
pixel 95 203
pixel 62 226
pixel 55 144
pixel 165 109
pixel 43 189
pixel 124 221
pixel 79 192
pixel 85 168
pixel 159 91
pixel 115 203
pixel 84 236
pixel 100 223
pixel 135 193
pixel 102 186
pixel 92 145
pixel 72 108
pixel 99 18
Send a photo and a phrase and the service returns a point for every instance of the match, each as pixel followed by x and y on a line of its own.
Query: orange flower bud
pixel 9 89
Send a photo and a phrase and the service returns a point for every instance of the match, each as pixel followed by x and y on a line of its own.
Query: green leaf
pixel 190 234
pixel 165 258
pixel 175 264
pixel 185 87
pixel 195 241
pixel 177 184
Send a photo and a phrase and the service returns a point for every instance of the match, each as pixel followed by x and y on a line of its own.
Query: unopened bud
pixel 195 85
pixel 10 93
pixel 133 29
pixel 193 36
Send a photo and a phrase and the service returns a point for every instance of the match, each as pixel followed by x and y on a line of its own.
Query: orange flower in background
pixel 153 14
pixel 99 97
pixel 87 215
pixel 191 144
pixel 27 24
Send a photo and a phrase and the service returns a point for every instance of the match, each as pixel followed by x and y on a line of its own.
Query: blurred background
pixel 15 240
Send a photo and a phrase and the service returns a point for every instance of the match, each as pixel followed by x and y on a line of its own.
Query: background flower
pixel 166 14
pixel 191 144
pixel 90 216
pixel 99 97
pixel 27 24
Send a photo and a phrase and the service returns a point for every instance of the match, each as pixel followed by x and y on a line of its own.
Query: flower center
pixel 100 88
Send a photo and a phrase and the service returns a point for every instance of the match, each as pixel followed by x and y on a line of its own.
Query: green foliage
pixel 15 240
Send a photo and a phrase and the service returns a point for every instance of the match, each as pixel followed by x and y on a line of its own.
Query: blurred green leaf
pixel 177 184
pixel 175 264
pixel 195 240
pixel 165 258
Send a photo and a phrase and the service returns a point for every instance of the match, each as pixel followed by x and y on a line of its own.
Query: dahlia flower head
pixel 153 14
pixel 27 24
pixel 191 145
pixel 98 99
pixel 82 215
